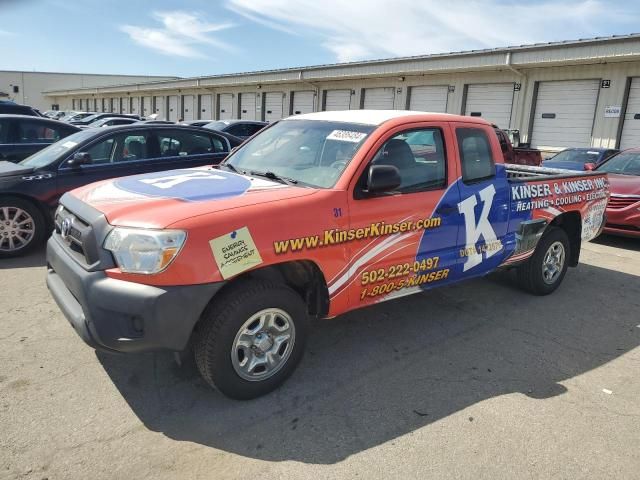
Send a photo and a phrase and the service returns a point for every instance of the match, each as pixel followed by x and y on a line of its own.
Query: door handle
pixel 447 209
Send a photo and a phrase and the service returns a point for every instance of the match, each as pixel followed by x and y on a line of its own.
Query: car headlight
pixel 139 250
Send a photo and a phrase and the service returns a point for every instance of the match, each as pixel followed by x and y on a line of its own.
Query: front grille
pixel 617 202
pixel 73 232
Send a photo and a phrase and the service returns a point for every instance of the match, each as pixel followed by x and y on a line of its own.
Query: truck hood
pixel 624 184
pixel 8 169
pixel 160 199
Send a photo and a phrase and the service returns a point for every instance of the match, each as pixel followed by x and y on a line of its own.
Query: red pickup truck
pixel 317 215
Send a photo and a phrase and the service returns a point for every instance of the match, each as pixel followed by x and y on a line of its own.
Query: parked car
pixel 111 121
pixel 195 123
pixel 513 152
pixel 24 135
pixel 579 158
pixel 99 116
pixel 315 216
pixel 77 116
pixel 238 128
pixel 29 191
pixel 623 209
pixel 157 122
pixel 7 107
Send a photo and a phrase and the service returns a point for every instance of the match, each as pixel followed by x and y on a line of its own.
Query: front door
pixel 405 240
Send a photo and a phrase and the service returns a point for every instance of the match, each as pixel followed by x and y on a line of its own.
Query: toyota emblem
pixel 65 227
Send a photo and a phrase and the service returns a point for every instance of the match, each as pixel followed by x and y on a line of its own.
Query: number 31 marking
pixel 337 212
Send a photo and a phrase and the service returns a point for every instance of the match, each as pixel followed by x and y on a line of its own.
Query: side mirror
pixel 589 166
pixel 383 178
pixel 80 158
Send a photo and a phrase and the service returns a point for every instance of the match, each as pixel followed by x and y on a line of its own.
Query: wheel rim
pixel 553 263
pixel 17 229
pixel 263 344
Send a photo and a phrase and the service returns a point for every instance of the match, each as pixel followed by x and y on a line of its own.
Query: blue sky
pixel 205 37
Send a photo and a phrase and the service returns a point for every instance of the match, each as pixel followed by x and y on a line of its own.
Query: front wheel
pixel 22 227
pixel 546 268
pixel 251 338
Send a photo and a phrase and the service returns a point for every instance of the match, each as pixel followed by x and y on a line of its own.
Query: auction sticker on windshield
pixel 235 252
pixel 346 136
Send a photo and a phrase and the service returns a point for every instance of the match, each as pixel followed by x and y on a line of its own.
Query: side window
pixel 130 147
pixel 475 154
pixel 35 132
pixel 252 129
pixel 101 151
pixel 238 130
pixel 419 155
pixel 175 143
pixel 219 145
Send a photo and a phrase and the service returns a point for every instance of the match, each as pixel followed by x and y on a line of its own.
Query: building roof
pixel 582 51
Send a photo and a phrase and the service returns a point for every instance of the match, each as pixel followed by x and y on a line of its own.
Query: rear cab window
pixel 476 157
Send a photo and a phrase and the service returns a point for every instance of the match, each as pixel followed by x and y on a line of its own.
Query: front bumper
pixel 118 316
pixel 623 222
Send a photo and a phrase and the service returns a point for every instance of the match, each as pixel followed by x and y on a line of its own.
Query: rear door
pixel 403 241
pixel 483 209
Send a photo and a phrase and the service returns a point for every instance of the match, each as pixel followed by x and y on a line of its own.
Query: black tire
pixel 222 320
pixel 531 273
pixel 39 226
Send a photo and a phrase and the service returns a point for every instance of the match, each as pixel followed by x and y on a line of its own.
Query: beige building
pixel 574 93
pixel 27 87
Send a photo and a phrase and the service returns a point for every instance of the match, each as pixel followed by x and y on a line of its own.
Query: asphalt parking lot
pixel 478 380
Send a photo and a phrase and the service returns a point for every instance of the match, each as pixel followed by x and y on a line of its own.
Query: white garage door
pixel 160 107
pixel 303 102
pixel 631 126
pixel 147 106
pixel 225 106
pixel 173 108
pixel 564 113
pixel 248 106
pixel 273 106
pixel 188 110
pixel 337 100
pixel 379 98
pixel 135 105
pixel 432 98
pixel 124 104
pixel 206 107
pixel 491 101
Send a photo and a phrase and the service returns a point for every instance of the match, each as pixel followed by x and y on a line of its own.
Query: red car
pixel 623 210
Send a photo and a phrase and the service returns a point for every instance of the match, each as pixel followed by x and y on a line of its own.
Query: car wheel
pixel 22 227
pixel 546 268
pixel 251 338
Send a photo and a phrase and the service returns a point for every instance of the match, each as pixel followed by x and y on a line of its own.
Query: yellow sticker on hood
pixel 235 252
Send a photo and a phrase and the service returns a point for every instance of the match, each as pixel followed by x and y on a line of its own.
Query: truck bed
pixel 523 173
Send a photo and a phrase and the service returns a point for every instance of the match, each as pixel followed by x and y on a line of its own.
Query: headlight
pixel 138 250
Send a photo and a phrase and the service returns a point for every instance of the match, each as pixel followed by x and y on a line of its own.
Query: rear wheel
pixel 22 227
pixel 546 268
pixel 251 338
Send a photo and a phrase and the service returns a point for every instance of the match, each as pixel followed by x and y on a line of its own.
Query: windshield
pixel 216 125
pixel 577 156
pixel 626 163
pixel 311 152
pixel 53 152
pixel 90 118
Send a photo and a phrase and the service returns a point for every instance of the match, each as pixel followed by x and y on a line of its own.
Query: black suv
pixel 29 190
pixel 22 135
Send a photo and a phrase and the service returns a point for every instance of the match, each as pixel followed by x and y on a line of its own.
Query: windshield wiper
pixel 273 176
pixel 230 167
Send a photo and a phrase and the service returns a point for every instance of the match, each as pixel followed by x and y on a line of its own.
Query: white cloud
pixel 181 34
pixel 5 33
pixel 361 29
